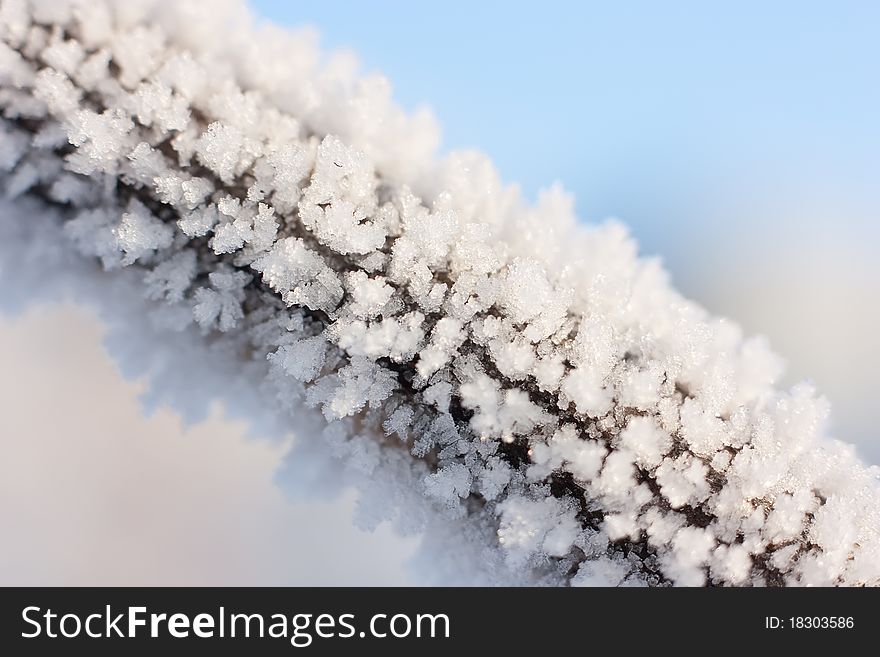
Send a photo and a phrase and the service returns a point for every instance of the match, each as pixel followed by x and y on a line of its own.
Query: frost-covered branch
pixel 534 376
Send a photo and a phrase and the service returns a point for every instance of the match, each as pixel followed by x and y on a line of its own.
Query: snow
pixel 530 379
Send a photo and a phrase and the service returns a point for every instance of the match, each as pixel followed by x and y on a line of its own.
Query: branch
pixel 543 380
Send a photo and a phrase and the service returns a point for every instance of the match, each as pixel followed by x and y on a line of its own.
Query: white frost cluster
pixel 521 370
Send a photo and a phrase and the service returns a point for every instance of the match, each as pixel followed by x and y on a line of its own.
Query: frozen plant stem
pixel 544 381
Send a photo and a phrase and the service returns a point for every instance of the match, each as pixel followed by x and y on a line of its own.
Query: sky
pixel 654 112
pixel 739 141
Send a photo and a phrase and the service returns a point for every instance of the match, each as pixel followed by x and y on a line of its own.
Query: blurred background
pixel 738 141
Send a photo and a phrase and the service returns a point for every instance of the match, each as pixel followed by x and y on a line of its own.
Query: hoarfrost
pixel 545 388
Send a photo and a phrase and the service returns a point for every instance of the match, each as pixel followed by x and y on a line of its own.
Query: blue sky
pixel 738 140
pixel 666 114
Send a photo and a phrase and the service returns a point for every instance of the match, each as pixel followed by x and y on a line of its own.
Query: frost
pixel 691 548
pixel 526 281
pixel 645 440
pixel 300 275
pixel 137 53
pixel 57 91
pixel 683 481
pixel 220 305
pixel 602 573
pixel 445 340
pixel 523 376
pixel 220 149
pixel 101 140
pixel 171 278
pixel 585 389
pixel 257 230
pixel 399 422
pixel 303 359
pixel 369 295
pixel 449 484
pixel 139 234
pixel 198 222
pixel 530 527
pixel 339 205
pixel 155 104
pixel 355 386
